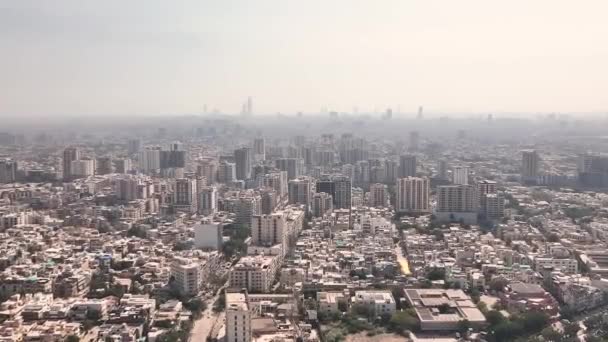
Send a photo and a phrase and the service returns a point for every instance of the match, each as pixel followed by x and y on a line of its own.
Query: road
pixel 204 325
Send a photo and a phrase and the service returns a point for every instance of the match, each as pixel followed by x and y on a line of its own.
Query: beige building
pixel 238 318
pixel 381 302
pixel 413 195
pixel 255 273
pixel 188 275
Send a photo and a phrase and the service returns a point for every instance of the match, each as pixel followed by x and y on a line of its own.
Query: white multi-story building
pixel 255 273
pixel 566 265
pixel 269 230
pixel 322 203
pixel 82 168
pixel 460 175
pixel 413 195
pixel 380 302
pixel 188 275
pixel 530 165
pixel 238 318
pixel 300 190
pixel 207 203
pixel 185 195
pixel 457 202
pixel 149 160
pixel 208 235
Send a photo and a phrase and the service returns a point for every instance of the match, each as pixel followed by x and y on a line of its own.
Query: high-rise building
pixel 133 146
pixel 8 171
pixel 460 175
pixel 342 193
pixel 485 188
pixel 246 208
pixel 208 235
pixel 494 206
pixel 340 189
pixel 207 204
pixel 457 203
pixel 407 166
pixel 322 203
pixel 378 195
pixel 208 169
pixel 442 170
pixel 269 230
pixel 242 157
pixel 391 169
pixel 123 165
pixel 103 166
pixel 413 195
pixel 185 195
pixel 530 165
pixel 268 202
pixel 300 191
pixel 226 172
pixel 70 154
pixel 238 318
pixel 293 166
pixel 173 157
pixel 259 149
pixel 82 168
pixel 149 160
pixel 414 141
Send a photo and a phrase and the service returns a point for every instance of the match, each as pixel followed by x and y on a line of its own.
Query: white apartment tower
pixel 413 195
pixel 207 203
pixel 238 318
pixel 460 175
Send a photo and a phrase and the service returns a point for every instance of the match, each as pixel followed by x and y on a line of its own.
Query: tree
pixel 475 295
pixel 402 321
pixel 436 274
pixel 571 329
pixel 72 338
pixel 196 306
pixel 553 237
pixel 464 326
pixel 494 317
pixel 534 321
pixel 550 334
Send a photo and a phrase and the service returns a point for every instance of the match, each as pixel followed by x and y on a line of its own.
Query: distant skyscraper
pixel 460 175
pixel 103 165
pixel 378 195
pixel 407 166
pixel 249 106
pixel 207 203
pixel 414 141
pixel 293 166
pixel 343 192
pixel 8 171
pixel 242 158
pixel 420 113
pixel 259 149
pixel 133 146
pixel 149 160
pixel 300 190
pixel 322 203
pixel 457 202
pixel 82 168
pixel 485 188
pixel 442 169
pixel 185 195
pixel 413 195
pixel 530 165
pixel 123 165
pixel 226 172
pixel 70 154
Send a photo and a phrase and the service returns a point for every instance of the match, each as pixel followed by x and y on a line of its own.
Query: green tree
pixel 403 321
pixel 464 326
pixel 72 338
pixel 494 317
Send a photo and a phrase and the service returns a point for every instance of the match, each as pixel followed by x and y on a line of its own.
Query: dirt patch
pixel 362 337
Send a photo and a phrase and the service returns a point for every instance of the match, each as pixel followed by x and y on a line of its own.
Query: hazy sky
pixel 155 57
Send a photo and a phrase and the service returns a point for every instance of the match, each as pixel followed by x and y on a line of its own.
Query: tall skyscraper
pixel 70 154
pixel 322 203
pixel 442 171
pixel 293 166
pixel 414 141
pixel 407 166
pixel 378 195
pixel 208 168
pixel 133 146
pixel 530 165
pixel 413 195
pixel 149 160
pixel 238 315
pixel 185 195
pixel 259 149
pixel 485 188
pixel 456 198
pixel 343 192
pixel 300 191
pixel 460 175
pixel 269 230
pixel 226 172
pixel 123 165
pixel 103 165
pixel 82 168
pixel 8 171
pixel 207 203
pixel 242 157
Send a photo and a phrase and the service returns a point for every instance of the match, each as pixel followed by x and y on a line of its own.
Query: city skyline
pixel 151 58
